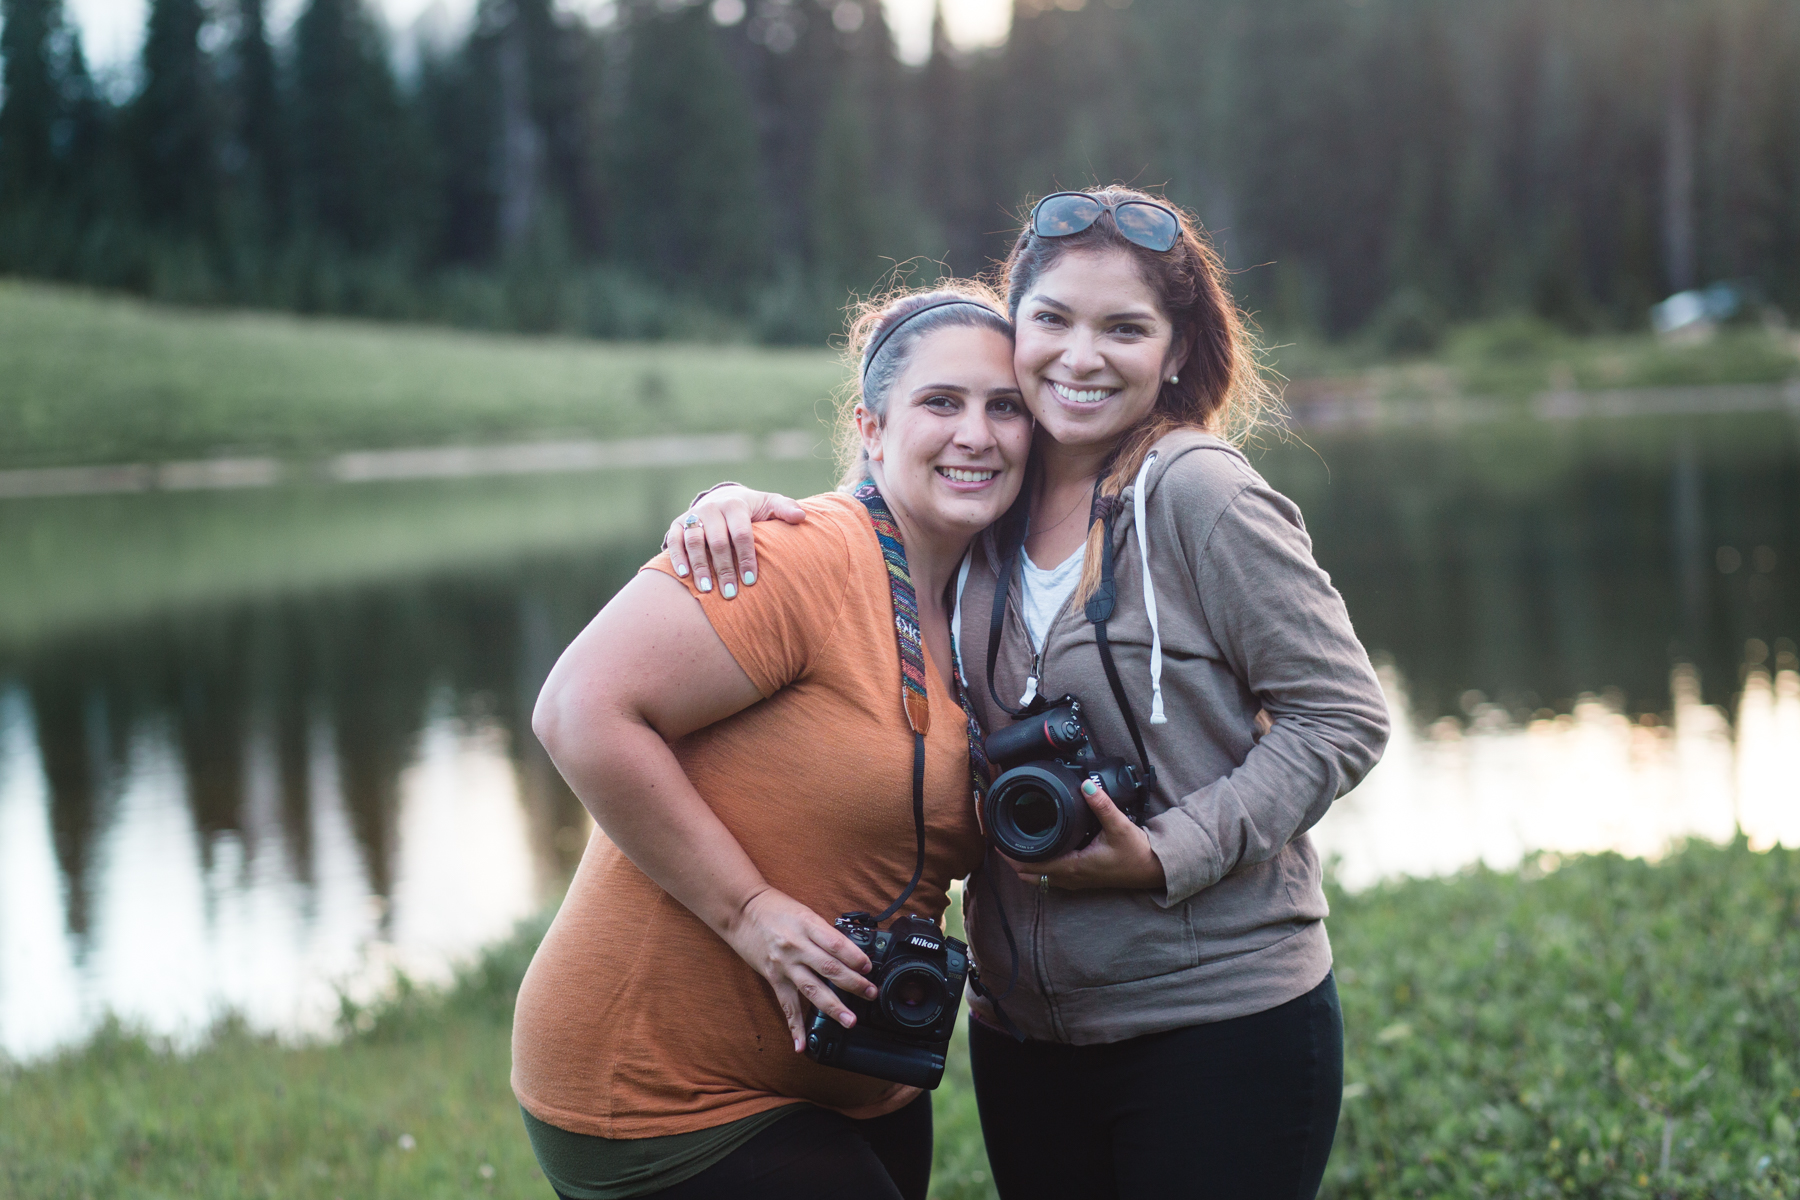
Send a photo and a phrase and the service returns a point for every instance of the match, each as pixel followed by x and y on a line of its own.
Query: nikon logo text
pixel 923 943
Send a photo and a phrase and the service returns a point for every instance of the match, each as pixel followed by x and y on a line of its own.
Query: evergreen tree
pixel 172 122
pixel 690 211
pixel 352 149
pixel 528 81
pixel 564 72
pixel 949 174
pixel 456 96
pixel 877 80
pixel 845 224
pixel 259 131
pixel 878 85
pixel 803 58
pixel 1397 162
pixel 33 99
pixel 89 188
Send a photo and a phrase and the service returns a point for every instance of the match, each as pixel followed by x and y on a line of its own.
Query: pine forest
pixel 738 169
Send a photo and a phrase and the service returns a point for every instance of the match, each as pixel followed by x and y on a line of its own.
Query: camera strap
pixel 1099 610
pixel 914 701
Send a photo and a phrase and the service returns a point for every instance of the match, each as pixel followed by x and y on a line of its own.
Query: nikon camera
pixel 901 1035
pixel 1035 810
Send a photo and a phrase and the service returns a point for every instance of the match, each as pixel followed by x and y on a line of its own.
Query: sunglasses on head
pixel 1142 222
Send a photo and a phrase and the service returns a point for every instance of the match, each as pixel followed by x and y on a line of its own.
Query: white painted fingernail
pixel 749 578
pixel 681 570
pixel 705 584
pixel 730 591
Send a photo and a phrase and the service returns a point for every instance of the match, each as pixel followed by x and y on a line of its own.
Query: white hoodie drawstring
pixel 1143 540
pixel 962 578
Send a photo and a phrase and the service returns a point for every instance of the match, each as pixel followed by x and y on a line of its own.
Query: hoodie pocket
pixel 1096 938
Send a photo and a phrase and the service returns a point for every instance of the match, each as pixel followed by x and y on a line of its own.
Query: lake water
pixel 258 749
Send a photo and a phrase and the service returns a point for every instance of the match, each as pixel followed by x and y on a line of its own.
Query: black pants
pixel 819 1155
pixel 1237 1109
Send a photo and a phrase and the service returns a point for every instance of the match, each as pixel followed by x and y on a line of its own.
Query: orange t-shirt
pixel 635 1020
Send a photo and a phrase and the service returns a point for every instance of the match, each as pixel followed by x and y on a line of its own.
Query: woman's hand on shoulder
pixel 1120 856
pixel 797 951
pixel 720 543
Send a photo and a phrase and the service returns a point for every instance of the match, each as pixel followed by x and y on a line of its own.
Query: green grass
pixel 86 378
pixel 1541 1034
pixel 1509 1034
pixel 1519 357
pixel 93 378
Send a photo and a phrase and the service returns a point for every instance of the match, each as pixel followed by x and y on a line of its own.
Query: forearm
pixel 628 778
pixel 1281 790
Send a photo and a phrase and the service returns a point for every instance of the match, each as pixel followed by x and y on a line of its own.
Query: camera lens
pixel 1033 813
pixel 913 996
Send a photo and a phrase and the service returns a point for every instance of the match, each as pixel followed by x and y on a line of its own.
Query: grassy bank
pixel 1609 1028
pixel 92 379
pixel 1514 358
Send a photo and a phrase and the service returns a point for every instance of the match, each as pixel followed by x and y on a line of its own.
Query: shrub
pixel 1602 1028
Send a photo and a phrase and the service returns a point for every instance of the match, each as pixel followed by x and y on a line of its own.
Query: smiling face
pixel 1094 347
pixel 949 455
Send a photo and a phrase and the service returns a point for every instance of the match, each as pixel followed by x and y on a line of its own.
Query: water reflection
pixel 248 808
pixel 1533 564
pixel 1447 793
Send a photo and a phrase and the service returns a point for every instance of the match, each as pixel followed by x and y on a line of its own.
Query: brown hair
pixel 894 324
pixel 1221 386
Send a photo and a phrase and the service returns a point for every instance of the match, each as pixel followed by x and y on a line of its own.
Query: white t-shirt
pixel 1045 592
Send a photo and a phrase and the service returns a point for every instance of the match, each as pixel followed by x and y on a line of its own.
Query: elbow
pixel 1368 724
pixel 581 723
pixel 1363 748
pixel 1381 727
pixel 551 718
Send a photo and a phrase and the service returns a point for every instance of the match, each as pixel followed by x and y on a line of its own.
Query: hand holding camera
pixel 1065 814
pixel 902 1031
pixel 800 956
pixel 1119 856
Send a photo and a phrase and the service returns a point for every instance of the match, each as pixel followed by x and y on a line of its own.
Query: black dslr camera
pixel 1035 810
pixel 902 1034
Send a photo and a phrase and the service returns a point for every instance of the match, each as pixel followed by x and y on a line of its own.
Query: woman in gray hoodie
pixel 1166 1020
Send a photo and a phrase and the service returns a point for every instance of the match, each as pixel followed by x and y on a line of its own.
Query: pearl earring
pixel 1174 379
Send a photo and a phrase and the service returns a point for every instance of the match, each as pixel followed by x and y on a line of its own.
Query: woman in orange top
pixel 657 1037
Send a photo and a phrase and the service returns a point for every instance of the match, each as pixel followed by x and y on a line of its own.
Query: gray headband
pixel 891 330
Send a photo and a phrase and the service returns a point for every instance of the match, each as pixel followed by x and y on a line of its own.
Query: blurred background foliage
pixel 1393 167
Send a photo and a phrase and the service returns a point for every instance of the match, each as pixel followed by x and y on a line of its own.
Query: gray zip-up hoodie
pixel 1221 612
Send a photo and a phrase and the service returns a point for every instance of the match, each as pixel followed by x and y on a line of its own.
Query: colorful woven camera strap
pixel 918 716
pixel 913 699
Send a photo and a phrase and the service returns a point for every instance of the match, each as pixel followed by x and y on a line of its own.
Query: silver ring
pixel 689 520
pixel 1044 882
